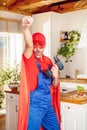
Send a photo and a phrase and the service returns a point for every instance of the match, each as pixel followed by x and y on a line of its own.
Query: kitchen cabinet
pixel 73 111
pixel 73 116
pixel 11 111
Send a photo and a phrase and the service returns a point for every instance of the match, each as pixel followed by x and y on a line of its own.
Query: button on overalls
pixel 41 112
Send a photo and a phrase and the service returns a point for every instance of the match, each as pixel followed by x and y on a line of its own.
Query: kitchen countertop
pixel 84 81
pixel 73 97
pixel 70 97
pixel 13 92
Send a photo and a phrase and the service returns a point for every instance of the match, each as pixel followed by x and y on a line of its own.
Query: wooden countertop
pixel 72 97
pixel 13 92
pixel 83 81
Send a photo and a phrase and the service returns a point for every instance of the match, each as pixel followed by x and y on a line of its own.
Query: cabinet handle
pixel 11 97
pixel 60 118
pixel 16 108
pixel 68 107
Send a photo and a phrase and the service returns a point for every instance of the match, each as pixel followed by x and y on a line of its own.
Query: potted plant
pixel 10 76
pixel 69 47
pixel 80 90
pixel 1 98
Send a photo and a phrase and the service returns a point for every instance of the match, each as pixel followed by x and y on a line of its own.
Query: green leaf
pixel 68 49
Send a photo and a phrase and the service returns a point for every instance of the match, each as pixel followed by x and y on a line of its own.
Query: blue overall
pixel 41 111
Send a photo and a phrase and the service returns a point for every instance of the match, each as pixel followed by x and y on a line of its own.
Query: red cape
pixel 24 99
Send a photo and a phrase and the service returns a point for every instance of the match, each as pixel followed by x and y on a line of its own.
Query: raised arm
pixel 26 23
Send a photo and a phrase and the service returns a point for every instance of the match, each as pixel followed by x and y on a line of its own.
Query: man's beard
pixel 38 54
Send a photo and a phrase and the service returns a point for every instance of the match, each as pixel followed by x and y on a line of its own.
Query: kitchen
pixel 57 23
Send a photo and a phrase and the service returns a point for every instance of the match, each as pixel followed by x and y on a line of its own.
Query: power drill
pixel 58 63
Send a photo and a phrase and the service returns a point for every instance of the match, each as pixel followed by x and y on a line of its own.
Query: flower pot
pixel 14 87
pixel 80 93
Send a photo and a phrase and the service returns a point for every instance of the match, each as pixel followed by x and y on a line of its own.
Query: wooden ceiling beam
pixel 29 7
pixel 63 8
pixel 70 7
pixel 15 11
pixel 81 4
pixel 8 3
pixel 34 4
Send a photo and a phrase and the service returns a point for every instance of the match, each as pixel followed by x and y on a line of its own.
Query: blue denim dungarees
pixel 41 110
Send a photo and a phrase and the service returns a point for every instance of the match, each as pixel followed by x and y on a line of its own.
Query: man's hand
pixel 27 21
pixel 56 74
pixel 55 70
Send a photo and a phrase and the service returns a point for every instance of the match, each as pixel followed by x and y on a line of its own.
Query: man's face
pixel 38 50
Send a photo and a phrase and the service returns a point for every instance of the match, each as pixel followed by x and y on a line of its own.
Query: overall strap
pixel 38 65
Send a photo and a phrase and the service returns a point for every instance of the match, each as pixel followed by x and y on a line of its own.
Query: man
pixel 36 104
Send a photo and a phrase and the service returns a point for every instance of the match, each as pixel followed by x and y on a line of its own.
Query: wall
pixel 9 15
pixel 76 20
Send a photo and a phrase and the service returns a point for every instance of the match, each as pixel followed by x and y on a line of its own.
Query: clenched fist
pixel 27 21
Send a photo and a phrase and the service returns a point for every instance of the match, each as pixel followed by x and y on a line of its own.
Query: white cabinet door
pixel 68 116
pixel 73 116
pixel 69 122
pixel 11 111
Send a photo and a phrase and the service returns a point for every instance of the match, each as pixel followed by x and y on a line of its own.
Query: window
pixel 10 48
pixel 10 42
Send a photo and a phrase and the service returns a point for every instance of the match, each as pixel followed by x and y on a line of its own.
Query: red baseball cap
pixel 38 38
